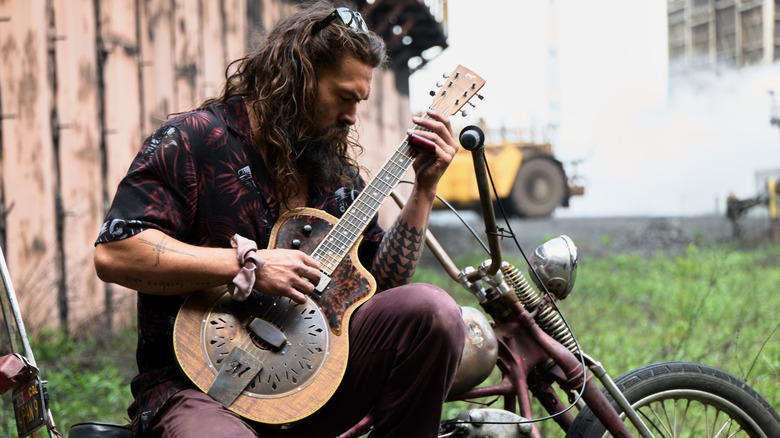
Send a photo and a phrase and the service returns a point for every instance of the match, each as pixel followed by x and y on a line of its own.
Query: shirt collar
pixel 235 116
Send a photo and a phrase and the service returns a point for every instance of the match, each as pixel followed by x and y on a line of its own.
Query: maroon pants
pixel 405 346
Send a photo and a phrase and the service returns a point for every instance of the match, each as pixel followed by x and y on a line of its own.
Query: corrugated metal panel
pixel 713 34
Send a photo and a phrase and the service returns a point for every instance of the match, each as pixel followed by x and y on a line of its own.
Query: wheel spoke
pixel 686 417
pixel 665 421
pixel 683 400
pixel 649 419
pixel 739 429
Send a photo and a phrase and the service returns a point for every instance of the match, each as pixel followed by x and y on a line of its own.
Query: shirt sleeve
pixel 159 190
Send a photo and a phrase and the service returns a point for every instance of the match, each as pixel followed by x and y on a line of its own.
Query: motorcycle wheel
pixel 676 399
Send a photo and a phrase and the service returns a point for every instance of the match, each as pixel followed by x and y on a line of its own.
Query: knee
pixel 193 413
pixel 444 316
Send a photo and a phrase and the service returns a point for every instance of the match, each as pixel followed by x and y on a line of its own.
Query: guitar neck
pixel 335 246
pixel 460 86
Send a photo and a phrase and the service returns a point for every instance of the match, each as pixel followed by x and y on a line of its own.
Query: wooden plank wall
pixel 82 83
pixel 28 158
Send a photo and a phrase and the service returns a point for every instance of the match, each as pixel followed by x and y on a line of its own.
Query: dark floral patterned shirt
pixel 199 179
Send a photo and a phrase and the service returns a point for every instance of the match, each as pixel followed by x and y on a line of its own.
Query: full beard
pixel 319 158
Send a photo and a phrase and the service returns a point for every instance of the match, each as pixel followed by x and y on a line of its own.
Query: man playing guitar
pixel 206 190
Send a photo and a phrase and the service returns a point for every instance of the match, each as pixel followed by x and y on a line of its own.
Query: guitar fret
pixel 355 222
pixel 331 260
pixel 384 181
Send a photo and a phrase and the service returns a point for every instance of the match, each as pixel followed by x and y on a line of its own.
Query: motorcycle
pixel 527 340
pixel 531 344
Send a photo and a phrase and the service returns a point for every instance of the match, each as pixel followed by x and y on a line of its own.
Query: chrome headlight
pixel 556 263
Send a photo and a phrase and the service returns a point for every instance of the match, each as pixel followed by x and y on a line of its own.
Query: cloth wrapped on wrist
pixel 246 253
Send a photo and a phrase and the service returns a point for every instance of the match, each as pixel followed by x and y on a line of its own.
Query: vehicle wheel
pixel 677 399
pixel 539 187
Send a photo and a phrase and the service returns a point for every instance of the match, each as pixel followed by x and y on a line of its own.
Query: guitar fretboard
pixel 459 87
pixel 332 250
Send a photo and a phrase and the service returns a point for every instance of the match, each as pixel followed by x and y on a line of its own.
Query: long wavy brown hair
pixel 280 77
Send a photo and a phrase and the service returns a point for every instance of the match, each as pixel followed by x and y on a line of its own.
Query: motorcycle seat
pixel 94 429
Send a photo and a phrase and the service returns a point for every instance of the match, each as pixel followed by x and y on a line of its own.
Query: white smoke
pixel 708 138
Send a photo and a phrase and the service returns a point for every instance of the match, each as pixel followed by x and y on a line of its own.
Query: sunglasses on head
pixel 351 19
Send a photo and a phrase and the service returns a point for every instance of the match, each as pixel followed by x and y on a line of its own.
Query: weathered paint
pixel 28 168
pixel 78 161
pixel 114 79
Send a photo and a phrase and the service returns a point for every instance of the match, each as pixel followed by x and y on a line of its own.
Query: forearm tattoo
pixel 161 248
pixel 398 255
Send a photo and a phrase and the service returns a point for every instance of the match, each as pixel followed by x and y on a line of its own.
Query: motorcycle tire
pixel 687 399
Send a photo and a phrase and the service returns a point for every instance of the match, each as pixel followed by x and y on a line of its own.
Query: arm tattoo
pixel 161 248
pixel 397 256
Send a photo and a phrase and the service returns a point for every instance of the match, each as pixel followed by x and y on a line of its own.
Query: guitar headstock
pixel 456 90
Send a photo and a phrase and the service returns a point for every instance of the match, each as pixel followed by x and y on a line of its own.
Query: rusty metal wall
pixel 82 82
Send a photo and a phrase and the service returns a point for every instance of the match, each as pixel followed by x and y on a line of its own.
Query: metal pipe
pixel 620 399
pixel 480 170
pixel 9 293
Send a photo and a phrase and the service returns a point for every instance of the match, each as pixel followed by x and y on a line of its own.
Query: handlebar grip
pixel 472 138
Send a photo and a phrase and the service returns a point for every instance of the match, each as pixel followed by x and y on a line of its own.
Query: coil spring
pixel 546 317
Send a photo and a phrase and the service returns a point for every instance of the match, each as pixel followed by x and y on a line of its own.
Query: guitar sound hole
pixel 285 369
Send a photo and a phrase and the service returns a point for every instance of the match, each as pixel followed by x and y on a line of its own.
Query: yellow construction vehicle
pixel 528 179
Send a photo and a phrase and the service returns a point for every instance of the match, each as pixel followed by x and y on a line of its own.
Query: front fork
pixel 568 371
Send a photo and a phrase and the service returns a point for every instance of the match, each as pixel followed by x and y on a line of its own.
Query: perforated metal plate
pixel 285 369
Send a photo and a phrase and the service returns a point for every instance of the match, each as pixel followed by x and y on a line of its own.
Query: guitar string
pixel 405 157
pixel 271 313
pixel 333 248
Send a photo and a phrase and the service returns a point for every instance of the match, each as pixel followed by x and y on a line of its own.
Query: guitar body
pixel 299 377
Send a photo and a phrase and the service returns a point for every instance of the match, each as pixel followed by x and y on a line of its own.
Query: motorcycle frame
pixel 14 327
pixel 527 353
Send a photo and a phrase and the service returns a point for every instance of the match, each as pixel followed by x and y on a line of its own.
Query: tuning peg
pixel 445 75
pixel 432 93
pixel 464 113
pixel 439 84
pixel 473 105
pixel 480 96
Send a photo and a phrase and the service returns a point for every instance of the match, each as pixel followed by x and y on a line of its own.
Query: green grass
pixel 716 306
pixel 88 379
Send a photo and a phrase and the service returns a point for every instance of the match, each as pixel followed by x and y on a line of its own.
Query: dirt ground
pixel 597 237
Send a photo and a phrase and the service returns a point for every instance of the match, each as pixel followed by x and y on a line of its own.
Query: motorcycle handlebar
pixel 472 138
